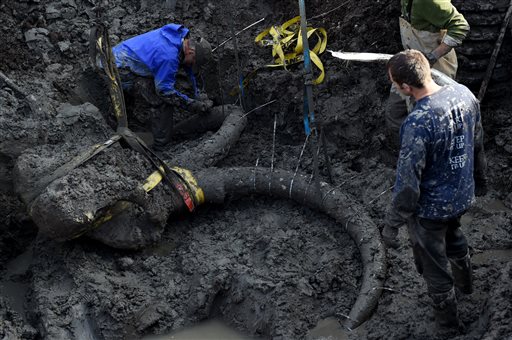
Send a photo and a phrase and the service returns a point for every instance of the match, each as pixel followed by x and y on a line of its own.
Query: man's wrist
pixel 431 57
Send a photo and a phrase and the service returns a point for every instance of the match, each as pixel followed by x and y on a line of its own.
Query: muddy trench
pixel 262 256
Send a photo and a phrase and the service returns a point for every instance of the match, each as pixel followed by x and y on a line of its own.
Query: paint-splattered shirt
pixel 440 141
pixel 155 54
pixel 435 15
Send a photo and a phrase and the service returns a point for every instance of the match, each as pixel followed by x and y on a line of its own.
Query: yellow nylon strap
pixel 114 210
pixel 259 37
pixel 112 73
pixel 192 184
pixel 318 63
pixel 287 46
pixel 277 47
pixel 152 181
pixel 156 177
pixel 149 184
pixel 290 22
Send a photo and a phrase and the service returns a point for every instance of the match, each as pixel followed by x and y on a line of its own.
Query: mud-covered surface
pixel 267 267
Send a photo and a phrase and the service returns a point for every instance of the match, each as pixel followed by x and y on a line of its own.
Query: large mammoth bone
pixel 142 220
pixel 118 199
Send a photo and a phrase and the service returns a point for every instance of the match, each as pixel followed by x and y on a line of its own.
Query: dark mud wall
pixel 269 268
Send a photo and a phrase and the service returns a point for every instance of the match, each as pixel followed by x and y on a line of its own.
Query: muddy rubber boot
pixel 462 273
pixel 446 313
pixel 161 126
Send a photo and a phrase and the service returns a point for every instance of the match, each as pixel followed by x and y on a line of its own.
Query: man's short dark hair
pixel 409 67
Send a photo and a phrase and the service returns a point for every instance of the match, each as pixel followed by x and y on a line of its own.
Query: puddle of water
pixel 496 205
pixel 466 219
pixel 161 249
pixel 10 287
pixel 208 330
pixel 20 264
pixel 487 256
pixel 14 292
pixel 492 205
pixel 327 329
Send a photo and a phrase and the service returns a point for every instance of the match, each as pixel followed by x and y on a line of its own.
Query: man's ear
pixel 405 86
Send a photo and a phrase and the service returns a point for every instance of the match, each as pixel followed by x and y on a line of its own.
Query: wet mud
pixel 266 266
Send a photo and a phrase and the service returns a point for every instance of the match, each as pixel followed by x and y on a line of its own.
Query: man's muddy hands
pixel 198 106
pixel 201 105
pixel 204 98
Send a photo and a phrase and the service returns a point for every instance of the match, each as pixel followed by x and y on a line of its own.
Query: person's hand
pixel 480 187
pixel 208 103
pixel 198 106
pixel 204 98
pixel 431 57
pixel 390 237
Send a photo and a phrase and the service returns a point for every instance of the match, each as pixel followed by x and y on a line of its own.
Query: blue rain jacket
pixel 155 54
pixel 439 140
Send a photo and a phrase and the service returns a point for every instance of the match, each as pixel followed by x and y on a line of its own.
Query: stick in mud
pixel 237 61
pixel 382 193
pixel 254 173
pixel 298 164
pixel 237 33
pixel 221 91
pixel 258 107
pixel 273 151
pixel 495 52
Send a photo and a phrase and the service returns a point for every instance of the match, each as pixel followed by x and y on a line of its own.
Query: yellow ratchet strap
pixel 191 182
pixel 287 46
pixel 149 184
pixel 108 62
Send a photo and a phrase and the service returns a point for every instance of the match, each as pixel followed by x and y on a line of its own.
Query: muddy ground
pixel 267 267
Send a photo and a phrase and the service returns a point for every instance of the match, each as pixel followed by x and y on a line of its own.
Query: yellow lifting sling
pixel 287 46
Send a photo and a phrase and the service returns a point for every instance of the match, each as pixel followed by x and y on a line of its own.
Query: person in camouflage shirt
pixel 434 27
pixel 440 163
pixel 447 28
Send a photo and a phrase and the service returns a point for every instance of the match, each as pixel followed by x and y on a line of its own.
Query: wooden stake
pixel 495 52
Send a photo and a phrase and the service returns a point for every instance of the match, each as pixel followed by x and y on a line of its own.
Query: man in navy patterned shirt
pixel 441 160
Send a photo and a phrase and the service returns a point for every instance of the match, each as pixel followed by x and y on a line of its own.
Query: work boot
pixel 462 273
pixel 161 126
pixel 445 311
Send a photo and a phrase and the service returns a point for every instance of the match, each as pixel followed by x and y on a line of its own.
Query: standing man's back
pixel 438 140
pixel 440 164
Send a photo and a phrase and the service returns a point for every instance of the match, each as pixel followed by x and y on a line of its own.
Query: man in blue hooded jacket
pixel 441 165
pixel 148 65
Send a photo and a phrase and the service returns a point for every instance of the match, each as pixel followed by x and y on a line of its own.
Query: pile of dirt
pixel 269 268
